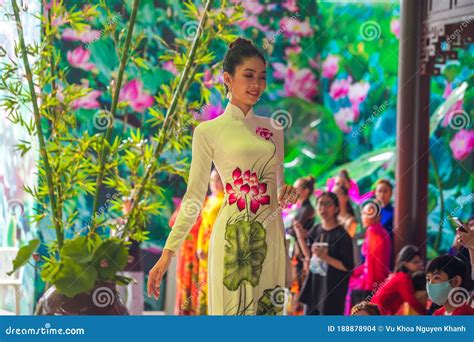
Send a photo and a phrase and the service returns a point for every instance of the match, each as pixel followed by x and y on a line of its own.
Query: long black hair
pixel 406 254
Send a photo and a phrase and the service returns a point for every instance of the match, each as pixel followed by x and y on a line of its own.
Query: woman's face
pixel 415 264
pixel 248 82
pixel 342 181
pixel 383 194
pixel 326 208
pixel 298 184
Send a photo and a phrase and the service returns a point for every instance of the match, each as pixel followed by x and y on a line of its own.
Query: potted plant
pixel 83 266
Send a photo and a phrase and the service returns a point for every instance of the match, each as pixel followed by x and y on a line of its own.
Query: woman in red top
pixel 398 288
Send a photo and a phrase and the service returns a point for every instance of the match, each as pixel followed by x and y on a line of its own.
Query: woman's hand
pixel 157 272
pixel 466 238
pixel 288 195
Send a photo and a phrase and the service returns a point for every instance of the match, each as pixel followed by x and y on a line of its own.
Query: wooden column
pixel 412 135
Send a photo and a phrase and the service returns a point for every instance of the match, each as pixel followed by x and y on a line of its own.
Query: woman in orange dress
pixel 187 270
pixel 209 214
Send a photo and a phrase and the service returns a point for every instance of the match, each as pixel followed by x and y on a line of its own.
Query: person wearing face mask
pixel 448 284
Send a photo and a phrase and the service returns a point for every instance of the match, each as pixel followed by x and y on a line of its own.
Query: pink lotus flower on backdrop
pixel 293 27
pixel 209 112
pixel 290 5
pixel 252 21
pixel 300 83
pixel 58 21
pixel 340 88
pixel 344 117
pixel 357 94
pixel 208 79
pixel 353 191
pixel 462 144
pixel 137 98
pixel 85 36
pixel 79 58
pixel 395 27
pixel 169 66
pixel 448 89
pixel 279 70
pixel 330 66
pixel 293 50
pixel 252 6
pixel 456 109
pixel 89 101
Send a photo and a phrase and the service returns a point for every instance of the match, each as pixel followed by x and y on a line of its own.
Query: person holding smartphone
pixel 324 291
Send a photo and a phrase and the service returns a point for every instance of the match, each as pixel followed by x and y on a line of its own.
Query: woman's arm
pixel 198 181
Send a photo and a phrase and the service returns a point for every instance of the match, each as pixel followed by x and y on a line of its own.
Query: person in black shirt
pixel 325 288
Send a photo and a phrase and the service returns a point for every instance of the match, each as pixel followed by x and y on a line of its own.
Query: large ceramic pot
pixel 103 299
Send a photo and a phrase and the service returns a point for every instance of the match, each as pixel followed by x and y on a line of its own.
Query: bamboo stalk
pixel 113 109
pixel 39 132
pixel 171 111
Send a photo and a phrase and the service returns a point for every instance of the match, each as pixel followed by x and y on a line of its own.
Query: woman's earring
pixel 229 95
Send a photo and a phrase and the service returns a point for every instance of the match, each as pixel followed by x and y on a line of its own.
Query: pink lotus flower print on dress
pixel 264 132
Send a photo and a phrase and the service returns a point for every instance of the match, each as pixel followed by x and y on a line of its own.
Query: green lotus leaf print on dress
pixel 245 252
pixel 272 301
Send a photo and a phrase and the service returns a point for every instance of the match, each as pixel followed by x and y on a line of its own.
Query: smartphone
pixel 459 225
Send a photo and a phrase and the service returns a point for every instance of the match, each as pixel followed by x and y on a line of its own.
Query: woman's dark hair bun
pixel 240 42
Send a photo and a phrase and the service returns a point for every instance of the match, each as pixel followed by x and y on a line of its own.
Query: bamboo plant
pixel 73 161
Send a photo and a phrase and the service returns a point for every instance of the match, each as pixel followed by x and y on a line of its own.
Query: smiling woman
pixel 247 256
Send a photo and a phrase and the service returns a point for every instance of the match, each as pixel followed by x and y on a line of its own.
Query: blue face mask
pixel 439 293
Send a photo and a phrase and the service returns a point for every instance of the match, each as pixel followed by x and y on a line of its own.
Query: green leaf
pixel 441 111
pixel 109 258
pixel 245 252
pixel 272 301
pixel 24 254
pixel 121 280
pixel 77 249
pixel 74 278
